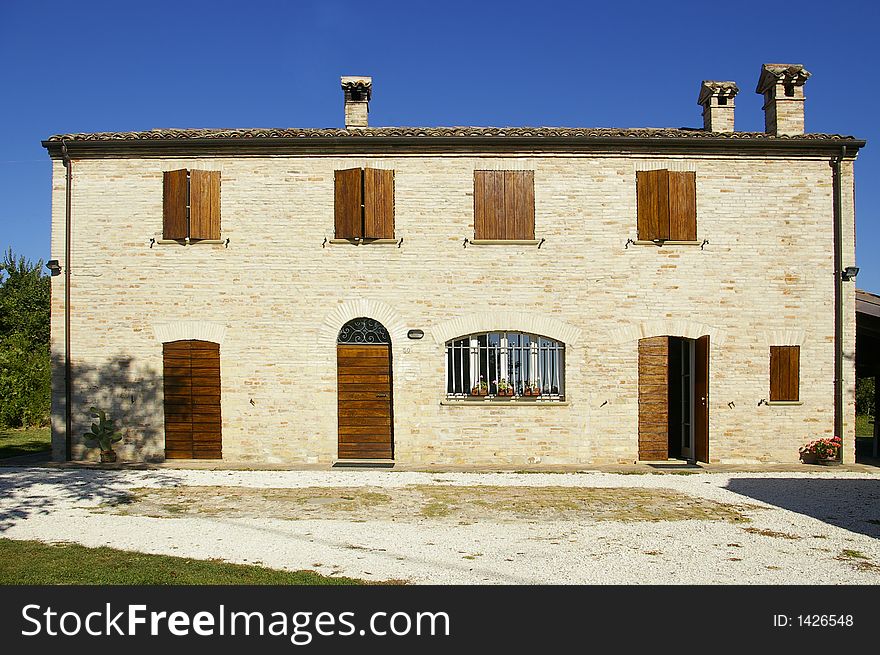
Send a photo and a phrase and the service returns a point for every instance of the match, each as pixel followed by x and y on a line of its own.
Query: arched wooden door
pixel 364 391
pixel 192 400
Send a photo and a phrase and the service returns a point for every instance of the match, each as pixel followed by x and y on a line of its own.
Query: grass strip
pixel 38 563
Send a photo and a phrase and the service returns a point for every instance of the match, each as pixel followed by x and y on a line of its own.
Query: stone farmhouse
pixel 458 296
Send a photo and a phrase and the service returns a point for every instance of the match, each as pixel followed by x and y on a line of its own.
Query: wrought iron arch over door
pixel 363 330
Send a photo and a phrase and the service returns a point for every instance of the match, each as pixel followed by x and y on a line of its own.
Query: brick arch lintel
pixel 491 321
pixel 785 337
pixel 367 308
pixel 668 327
pixel 189 330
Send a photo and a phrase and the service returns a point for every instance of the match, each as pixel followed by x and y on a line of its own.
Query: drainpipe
pixel 67 373
pixel 838 296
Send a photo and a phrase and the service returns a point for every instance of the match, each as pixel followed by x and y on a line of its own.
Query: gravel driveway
pixel 467 528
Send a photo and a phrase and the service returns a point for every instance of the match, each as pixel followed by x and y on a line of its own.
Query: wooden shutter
pixel 654 398
pixel 652 196
pixel 785 362
pixel 204 205
pixel 378 204
pixel 519 205
pixel 488 204
pixel 682 206
pixel 348 208
pixel 174 201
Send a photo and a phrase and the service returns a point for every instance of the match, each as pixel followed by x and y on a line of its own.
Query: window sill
pixel 783 403
pixel 358 242
pixel 501 402
pixel 192 242
pixel 660 244
pixel 504 242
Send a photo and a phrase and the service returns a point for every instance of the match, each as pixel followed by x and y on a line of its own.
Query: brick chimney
pixel 716 99
pixel 357 90
pixel 783 88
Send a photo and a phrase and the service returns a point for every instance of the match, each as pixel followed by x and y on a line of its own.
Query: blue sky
pixel 86 66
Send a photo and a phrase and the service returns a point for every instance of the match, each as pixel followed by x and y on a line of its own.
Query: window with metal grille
pixel 505 365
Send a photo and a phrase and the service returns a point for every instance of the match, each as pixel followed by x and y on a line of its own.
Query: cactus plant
pixel 103 434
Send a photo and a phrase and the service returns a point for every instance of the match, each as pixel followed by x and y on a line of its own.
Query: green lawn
pixel 864 425
pixel 37 563
pixel 23 441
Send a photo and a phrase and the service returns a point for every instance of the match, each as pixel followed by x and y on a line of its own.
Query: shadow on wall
pixel 131 395
pixel 850 504
pixel 29 492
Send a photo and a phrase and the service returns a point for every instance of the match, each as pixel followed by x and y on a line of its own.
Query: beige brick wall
pixel 275 298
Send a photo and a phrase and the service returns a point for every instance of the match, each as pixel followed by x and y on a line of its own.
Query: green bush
pixel 25 372
pixel 865 397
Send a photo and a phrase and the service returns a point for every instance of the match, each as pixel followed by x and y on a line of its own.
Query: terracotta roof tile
pixel 173 134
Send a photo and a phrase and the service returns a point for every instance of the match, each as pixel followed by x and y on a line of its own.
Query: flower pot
pixel 809 458
pixel 829 462
pixel 484 392
pixel 108 456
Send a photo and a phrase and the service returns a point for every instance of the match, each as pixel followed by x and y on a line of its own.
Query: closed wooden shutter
pixel 204 202
pixel 488 204
pixel 519 205
pixel 348 207
pixel 378 204
pixel 504 205
pixel 192 400
pixel 654 398
pixel 174 202
pixel 785 364
pixel 652 197
pixel 682 206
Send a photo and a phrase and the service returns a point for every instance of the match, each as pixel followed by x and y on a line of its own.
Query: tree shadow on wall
pixel 852 504
pixel 131 395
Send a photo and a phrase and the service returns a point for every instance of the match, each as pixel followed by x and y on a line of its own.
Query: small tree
pixel 865 396
pixel 25 388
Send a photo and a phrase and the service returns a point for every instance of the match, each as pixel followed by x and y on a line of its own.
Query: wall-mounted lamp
pixel 849 273
pixel 415 334
pixel 54 267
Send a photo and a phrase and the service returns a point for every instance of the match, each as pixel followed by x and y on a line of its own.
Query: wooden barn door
pixel 701 399
pixel 192 400
pixel 654 398
pixel 364 401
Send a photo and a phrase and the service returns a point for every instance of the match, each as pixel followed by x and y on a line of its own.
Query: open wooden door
pixel 654 398
pixel 701 399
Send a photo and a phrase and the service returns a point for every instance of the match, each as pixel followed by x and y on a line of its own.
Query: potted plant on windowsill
pixel 103 435
pixel 822 451
pixel 481 389
pixel 504 388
